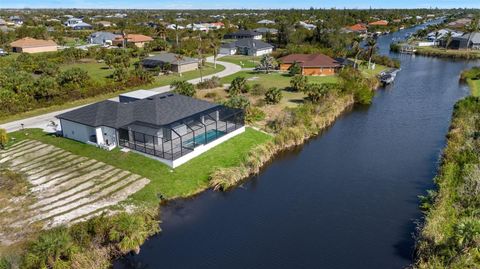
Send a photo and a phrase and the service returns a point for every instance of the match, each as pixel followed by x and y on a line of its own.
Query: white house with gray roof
pixel 169 127
pixel 250 47
pixel 466 41
pixel 101 38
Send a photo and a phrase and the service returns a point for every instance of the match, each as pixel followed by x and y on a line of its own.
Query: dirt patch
pixel 54 187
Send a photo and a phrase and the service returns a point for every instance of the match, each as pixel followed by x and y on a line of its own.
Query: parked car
pixel 3 53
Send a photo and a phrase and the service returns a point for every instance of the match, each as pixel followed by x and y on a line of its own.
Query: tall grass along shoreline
pixel 322 116
pixel 450 235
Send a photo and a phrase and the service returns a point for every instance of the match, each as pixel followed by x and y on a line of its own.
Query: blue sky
pixel 215 4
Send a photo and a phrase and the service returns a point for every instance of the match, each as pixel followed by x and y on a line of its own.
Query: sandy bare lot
pixel 65 188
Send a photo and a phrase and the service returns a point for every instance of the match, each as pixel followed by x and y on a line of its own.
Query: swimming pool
pixel 204 138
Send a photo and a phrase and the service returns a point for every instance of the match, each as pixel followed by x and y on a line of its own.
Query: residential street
pixel 44 121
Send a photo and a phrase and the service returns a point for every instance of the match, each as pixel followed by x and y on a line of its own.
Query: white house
pixel 250 47
pixel 307 26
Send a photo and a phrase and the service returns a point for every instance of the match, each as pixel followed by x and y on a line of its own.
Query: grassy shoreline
pixel 450 236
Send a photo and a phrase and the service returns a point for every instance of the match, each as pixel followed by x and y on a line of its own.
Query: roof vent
pixel 150 98
pixel 170 95
pixel 163 97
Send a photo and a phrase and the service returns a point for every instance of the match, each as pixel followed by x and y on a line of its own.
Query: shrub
pixel 294 69
pixel 254 114
pixel 183 88
pixel 317 92
pixel 237 101
pixel 238 85
pixel 3 138
pixel 53 249
pixel 212 95
pixel 211 83
pixel 299 83
pixel 273 96
pixel 258 90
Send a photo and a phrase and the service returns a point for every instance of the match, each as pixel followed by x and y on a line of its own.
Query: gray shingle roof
pixel 248 43
pixel 160 110
pixel 167 58
pixel 101 37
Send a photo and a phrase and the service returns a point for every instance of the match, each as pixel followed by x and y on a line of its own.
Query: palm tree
pixel 470 29
pixel 178 58
pixel 437 34
pixel 448 39
pixel 371 47
pixel 161 32
pixel 356 48
pixel 214 46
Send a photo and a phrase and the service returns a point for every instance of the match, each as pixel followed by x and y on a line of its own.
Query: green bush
pixel 299 83
pixel 237 101
pixel 53 249
pixel 238 86
pixel 295 69
pixel 273 96
pixel 183 88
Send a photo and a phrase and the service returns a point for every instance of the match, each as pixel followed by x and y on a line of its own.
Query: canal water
pixel 346 199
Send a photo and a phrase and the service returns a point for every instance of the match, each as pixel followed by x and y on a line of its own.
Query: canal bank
pixel 347 199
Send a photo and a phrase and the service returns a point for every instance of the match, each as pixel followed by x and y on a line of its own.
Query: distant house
pixel 440 34
pixel 265 22
pixel 16 20
pixel 460 23
pixel 136 39
pixel 378 23
pixel 102 38
pixel 251 47
pixel 466 41
pixel 175 62
pixel 168 127
pixel 32 45
pixel 264 31
pixel 307 26
pixel 82 26
pixel 311 64
pixel 358 28
pixel 105 24
pixel 244 34
pixel 72 21
pixel 175 27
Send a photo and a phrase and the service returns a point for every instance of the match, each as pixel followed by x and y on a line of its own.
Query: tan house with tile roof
pixel 32 45
pixel 138 40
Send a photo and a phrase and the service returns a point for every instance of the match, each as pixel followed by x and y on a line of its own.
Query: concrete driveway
pixel 44 121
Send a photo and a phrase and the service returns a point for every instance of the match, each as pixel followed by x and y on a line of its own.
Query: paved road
pixel 43 121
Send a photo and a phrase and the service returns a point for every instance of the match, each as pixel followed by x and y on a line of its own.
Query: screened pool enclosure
pixel 179 138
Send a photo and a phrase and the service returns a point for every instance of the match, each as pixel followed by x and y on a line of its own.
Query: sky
pixel 237 4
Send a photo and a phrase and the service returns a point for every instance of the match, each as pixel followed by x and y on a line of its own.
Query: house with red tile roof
pixel 379 23
pixel 358 28
pixel 311 64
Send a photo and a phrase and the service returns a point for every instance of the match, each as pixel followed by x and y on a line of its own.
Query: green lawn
pixel 101 73
pixel 372 72
pixel 98 71
pixel 474 86
pixel 182 181
pixel 242 60
pixel 276 79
